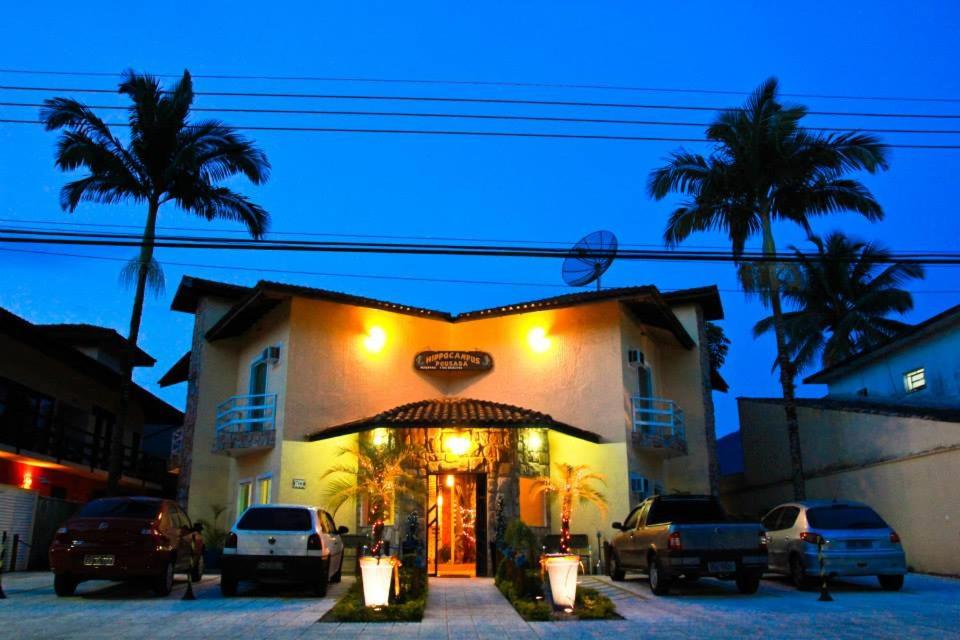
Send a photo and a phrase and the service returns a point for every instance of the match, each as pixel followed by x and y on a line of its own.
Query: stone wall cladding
pixel 227 441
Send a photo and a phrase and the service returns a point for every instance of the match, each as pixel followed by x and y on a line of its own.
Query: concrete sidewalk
pixel 928 607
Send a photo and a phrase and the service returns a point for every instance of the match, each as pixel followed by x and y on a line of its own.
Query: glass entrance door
pixel 456 524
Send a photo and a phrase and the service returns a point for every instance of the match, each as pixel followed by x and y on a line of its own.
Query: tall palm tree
pixel 166 158
pixel 378 471
pixel 574 486
pixel 841 299
pixel 765 168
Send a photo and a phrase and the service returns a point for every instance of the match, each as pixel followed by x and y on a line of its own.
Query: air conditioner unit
pixel 272 355
pixel 635 358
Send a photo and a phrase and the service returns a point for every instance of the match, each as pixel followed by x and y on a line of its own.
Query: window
pixel 789 517
pixel 533 505
pixel 686 511
pixel 264 485
pixel 841 516
pixel 639 487
pixel 244 496
pixel 632 519
pixel 276 519
pixel 121 508
pixel 326 522
pixel 770 521
pixel 915 380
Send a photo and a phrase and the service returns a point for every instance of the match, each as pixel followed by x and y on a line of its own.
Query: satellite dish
pixel 590 258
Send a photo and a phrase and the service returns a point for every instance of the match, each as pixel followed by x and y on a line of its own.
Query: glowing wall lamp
pixel 534 441
pixel 27 482
pixel 457 444
pixel 375 339
pixel 380 437
pixel 538 339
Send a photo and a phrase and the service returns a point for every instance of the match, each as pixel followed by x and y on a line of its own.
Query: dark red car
pixel 126 539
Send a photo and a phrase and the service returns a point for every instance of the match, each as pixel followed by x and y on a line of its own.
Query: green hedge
pixel 407 607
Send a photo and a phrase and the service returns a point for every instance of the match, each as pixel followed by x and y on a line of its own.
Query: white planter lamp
pixel 562 570
pixel 377 573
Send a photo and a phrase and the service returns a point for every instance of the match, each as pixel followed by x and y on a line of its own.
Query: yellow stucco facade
pixel 569 362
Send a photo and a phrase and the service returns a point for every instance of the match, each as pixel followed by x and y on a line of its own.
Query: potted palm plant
pixel 574 485
pixel 214 537
pixel 377 472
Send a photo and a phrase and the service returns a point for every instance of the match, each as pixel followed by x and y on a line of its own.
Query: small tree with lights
pixel 378 471
pixel 574 484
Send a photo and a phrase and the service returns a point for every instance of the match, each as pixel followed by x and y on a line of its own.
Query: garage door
pixel 17 508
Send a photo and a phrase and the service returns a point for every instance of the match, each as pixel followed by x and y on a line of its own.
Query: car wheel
pixel 228 585
pixel 63 585
pixel 890 583
pixel 659 582
pixel 335 578
pixel 798 572
pixel 196 574
pixel 748 582
pixel 617 573
pixel 320 584
pixel 163 584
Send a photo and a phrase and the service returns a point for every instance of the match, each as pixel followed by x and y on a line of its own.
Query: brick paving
pixel 928 607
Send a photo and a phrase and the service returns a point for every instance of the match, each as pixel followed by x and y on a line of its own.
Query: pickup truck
pixel 671 536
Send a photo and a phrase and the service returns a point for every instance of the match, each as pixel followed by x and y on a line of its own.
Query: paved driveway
pixel 928 607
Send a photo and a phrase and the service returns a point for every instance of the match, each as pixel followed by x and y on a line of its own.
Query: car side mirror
pixel 342 531
pixel 618 526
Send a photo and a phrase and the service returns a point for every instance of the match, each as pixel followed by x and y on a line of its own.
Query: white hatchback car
pixel 283 543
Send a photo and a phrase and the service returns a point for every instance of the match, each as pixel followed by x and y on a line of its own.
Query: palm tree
pixel 765 168
pixel 166 158
pixel 378 471
pixel 841 298
pixel 574 486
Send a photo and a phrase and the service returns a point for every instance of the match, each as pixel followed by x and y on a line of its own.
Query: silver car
pixel 856 542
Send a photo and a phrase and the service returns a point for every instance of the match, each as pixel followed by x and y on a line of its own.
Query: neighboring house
pixel 59 389
pixel 887 433
pixel 281 378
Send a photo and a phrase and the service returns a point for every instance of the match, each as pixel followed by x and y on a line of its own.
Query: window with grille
pixel 915 380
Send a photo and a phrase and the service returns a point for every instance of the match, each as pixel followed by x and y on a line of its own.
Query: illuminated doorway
pixel 457 524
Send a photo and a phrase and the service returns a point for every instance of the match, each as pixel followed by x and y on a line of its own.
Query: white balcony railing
pixel 658 423
pixel 246 414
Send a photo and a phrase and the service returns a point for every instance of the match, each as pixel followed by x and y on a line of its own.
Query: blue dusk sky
pixel 543 190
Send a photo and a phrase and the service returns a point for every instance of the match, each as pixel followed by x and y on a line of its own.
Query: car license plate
pixel 728 566
pixel 98 561
pixel 270 566
pixel 859 544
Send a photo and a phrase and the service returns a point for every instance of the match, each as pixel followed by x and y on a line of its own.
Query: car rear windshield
pixel 686 512
pixel 276 519
pixel 121 508
pixel 844 517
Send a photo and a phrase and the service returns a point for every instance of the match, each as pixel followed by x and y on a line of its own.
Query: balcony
pixel 246 424
pixel 658 426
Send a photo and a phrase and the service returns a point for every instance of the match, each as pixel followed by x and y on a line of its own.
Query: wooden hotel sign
pixel 453 361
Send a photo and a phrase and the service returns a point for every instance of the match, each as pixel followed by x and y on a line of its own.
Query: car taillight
pixel 231 541
pixel 314 543
pixel 764 541
pixel 812 538
pixel 894 538
pixel 674 541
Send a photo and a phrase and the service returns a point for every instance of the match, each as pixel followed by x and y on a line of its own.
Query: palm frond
pixel 155 282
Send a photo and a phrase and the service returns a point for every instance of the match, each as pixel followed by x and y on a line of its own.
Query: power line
pixel 19 236
pixel 464 100
pixel 482 83
pixel 477 116
pixel 368 276
pixel 488 134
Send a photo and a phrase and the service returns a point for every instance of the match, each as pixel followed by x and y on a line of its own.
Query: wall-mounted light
pixel 538 339
pixel 457 444
pixel 450 480
pixel 375 339
pixel 27 482
pixel 380 437
pixel 534 441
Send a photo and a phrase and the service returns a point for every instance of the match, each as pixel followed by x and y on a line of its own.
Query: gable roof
pixel 34 336
pixel 178 373
pixel 454 412
pixel 252 303
pixel 77 335
pixel 925 328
